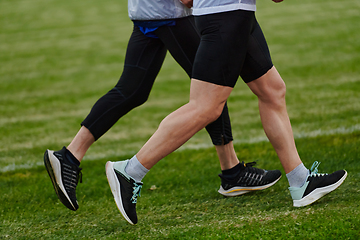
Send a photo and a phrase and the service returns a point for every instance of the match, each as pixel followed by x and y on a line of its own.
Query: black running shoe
pixel 64 177
pixel 248 179
pixel 124 189
pixel 316 186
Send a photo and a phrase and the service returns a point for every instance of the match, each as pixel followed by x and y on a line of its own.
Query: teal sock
pixel 135 169
pixel 297 177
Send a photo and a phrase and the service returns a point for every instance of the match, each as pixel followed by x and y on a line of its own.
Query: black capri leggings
pixel 143 60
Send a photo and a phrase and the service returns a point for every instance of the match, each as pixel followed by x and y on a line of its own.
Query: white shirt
pixel 157 9
pixel 203 7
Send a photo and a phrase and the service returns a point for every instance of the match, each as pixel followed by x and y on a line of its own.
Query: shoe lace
pixel 252 175
pixel 136 192
pixel 314 170
pixel 249 164
pixel 249 168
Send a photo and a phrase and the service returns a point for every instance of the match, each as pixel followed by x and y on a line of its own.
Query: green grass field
pixel 58 57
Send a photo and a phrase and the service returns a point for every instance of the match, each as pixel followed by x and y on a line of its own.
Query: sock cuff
pixel 138 164
pixel 296 170
pixel 71 157
pixel 232 171
pixel 135 169
pixel 297 177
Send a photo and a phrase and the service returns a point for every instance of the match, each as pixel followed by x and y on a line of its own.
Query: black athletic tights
pixel 143 60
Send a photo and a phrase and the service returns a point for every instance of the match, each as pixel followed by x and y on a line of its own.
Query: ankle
pixel 135 169
pixel 69 156
pixel 297 177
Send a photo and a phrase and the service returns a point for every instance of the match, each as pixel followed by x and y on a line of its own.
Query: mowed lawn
pixel 58 57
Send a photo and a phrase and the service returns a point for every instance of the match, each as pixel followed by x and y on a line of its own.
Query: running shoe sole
pixel 236 191
pixel 53 168
pixel 318 193
pixel 115 189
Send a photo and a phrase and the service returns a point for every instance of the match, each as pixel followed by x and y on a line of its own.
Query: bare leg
pixel 206 103
pixel 81 143
pixel 227 156
pixel 84 139
pixel 270 90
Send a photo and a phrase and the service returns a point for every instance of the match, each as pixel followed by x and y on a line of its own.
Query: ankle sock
pixel 231 173
pixel 135 169
pixel 297 177
pixel 69 156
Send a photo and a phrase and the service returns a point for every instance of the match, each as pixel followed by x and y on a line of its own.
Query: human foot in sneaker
pixel 316 186
pixel 124 189
pixel 64 176
pixel 248 179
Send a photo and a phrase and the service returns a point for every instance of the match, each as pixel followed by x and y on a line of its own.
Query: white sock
pixel 297 177
pixel 135 169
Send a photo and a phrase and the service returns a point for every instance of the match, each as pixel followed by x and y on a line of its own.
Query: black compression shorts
pixel 232 44
pixel 144 58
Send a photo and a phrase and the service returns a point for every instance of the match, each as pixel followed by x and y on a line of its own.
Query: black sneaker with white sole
pixel 316 186
pixel 64 176
pixel 124 189
pixel 248 179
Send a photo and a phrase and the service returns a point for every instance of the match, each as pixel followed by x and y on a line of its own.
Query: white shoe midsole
pixel 115 189
pixel 318 193
pixel 56 167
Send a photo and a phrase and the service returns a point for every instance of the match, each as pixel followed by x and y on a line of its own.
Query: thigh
pixel 143 61
pixel 258 59
pixel 141 50
pixel 182 41
pixel 223 46
pixel 144 57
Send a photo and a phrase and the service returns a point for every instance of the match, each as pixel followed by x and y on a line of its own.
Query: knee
pixel 274 93
pixel 138 99
pixel 214 113
pixel 208 113
pixel 278 91
pixel 134 100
